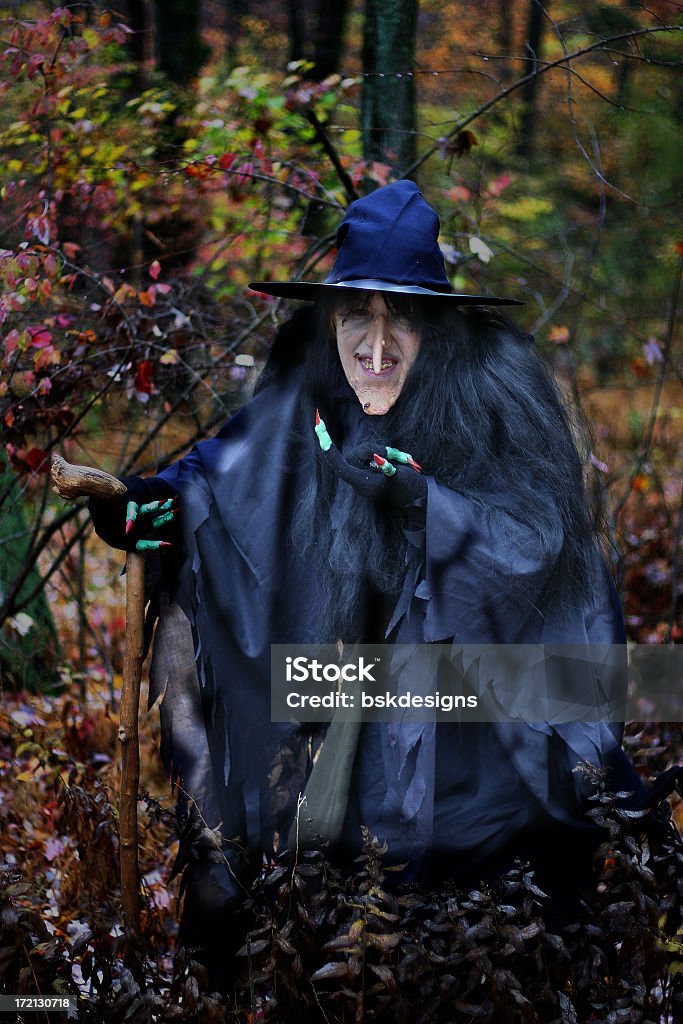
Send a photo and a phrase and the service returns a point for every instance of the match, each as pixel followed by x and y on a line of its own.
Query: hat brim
pixel 310 291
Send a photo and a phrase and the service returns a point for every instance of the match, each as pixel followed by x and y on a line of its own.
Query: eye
pixel 354 318
pixel 404 323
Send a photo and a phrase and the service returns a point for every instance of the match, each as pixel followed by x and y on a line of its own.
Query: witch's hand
pixel 392 477
pixel 144 519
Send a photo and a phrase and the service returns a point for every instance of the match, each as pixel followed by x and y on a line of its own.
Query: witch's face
pixel 377 346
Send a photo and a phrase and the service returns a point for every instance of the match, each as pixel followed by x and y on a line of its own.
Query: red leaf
pixel 11 341
pixel 50 265
pixel 144 377
pixel 38 461
pixel 155 270
pixel 33 64
pixel 640 367
pixel 198 170
pixel 499 185
pixel 40 337
pixel 17 63
pixel 244 173
pixel 148 297
pixel 227 160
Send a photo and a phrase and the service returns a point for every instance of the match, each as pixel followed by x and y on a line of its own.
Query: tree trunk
pixel 180 49
pixel 505 36
pixel 139 15
pixel 527 124
pixel 329 37
pixel 235 11
pixel 388 119
pixel 298 49
pixel 316 33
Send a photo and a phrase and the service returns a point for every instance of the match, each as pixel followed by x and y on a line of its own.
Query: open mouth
pixel 387 366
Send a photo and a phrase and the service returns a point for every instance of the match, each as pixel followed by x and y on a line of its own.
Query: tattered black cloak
pixel 450 799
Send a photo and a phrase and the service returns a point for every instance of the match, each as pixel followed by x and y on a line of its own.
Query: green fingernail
pixel 131 512
pixel 162 520
pixel 150 545
pixel 388 469
pixel 324 438
pixel 153 506
pixel 398 456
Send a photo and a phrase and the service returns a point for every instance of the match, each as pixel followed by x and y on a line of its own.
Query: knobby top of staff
pixel 83 481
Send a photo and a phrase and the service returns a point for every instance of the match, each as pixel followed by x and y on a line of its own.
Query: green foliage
pixel 28 640
pixel 136 219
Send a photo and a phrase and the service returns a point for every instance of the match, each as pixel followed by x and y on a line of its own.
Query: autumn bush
pixel 137 211
pixel 325 944
pixel 134 218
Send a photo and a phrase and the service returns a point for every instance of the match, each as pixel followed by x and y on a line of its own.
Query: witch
pixel 407 473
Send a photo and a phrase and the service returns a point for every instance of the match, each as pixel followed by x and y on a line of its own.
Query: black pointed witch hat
pixel 388 241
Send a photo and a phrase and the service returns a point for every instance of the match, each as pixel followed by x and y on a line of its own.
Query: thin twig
pixel 675 563
pixel 659 384
pixel 407 172
pixel 331 152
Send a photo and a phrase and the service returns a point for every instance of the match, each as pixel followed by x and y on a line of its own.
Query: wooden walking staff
pixel 78 482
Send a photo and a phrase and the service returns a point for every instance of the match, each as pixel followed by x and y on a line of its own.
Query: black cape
pixel 440 794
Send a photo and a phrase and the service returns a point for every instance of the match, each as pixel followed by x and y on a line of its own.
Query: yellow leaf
pixel 559 334
pixel 524 209
pixel 123 292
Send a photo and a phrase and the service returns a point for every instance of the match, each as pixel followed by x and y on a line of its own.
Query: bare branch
pixel 331 152
pixel 649 432
pixel 541 70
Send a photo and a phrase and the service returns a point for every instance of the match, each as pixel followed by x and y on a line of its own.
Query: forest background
pixel 157 156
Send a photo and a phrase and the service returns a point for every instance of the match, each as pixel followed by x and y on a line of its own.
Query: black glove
pixel 145 530
pixel 390 476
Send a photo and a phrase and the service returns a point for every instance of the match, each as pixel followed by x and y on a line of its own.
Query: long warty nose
pixel 377 342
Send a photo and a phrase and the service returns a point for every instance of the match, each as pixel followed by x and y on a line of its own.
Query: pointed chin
pixel 376 398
